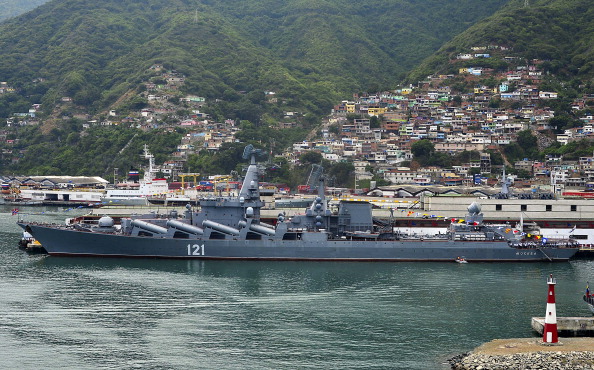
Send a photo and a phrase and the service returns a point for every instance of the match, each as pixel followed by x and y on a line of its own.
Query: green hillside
pixel 560 32
pixel 310 52
pixel 12 8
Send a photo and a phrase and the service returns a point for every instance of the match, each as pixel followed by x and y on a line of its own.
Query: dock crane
pixel 183 176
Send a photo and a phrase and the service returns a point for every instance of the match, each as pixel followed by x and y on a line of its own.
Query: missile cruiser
pixel 231 228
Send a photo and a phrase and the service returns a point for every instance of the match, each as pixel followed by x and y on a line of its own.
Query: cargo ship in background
pixel 137 192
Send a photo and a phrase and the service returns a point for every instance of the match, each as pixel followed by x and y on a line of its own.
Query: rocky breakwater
pixel 530 353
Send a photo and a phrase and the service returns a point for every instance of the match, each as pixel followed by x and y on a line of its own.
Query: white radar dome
pixel 105 221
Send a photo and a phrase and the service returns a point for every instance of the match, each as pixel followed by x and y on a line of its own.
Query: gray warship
pixel 231 228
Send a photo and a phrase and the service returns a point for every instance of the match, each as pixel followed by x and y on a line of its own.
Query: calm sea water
pixel 88 313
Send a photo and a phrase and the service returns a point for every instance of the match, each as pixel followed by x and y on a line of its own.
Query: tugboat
pixel 30 245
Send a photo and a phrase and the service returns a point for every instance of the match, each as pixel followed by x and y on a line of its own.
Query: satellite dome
pixel 249 212
pixel 318 200
pixel 474 208
pixel 105 221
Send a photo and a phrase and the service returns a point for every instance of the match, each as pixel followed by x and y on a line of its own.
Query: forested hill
pixel 559 32
pixel 11 8
pixel 310 52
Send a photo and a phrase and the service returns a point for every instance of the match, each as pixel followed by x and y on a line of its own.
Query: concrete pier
pixel 568 326
pixel 528 353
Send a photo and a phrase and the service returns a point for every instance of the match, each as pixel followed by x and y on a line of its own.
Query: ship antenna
pixel 150 174
pixel 250 153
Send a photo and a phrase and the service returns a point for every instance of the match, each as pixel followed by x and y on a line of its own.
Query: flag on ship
pixel 587 289
pixel 15 211
pixel 133 174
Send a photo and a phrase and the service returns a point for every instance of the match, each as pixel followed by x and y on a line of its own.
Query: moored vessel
pixel 134 194
pixel 30 245
pixel 231 228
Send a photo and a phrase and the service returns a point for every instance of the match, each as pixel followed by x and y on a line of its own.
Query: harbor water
pixel 89 313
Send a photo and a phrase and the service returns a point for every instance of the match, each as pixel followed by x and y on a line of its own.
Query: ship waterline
pixel 78 243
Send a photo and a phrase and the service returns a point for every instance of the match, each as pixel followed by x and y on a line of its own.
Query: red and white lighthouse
pixel 549 335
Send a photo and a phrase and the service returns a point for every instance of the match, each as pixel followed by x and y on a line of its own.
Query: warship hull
pixel 68 242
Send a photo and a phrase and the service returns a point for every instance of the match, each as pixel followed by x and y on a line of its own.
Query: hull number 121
pixel 195 250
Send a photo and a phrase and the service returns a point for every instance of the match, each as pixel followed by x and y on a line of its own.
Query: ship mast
pixel 149 175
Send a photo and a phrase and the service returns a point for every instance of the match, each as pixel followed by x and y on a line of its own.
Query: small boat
pixel 589 298
pixel 30 245
pixel 461 260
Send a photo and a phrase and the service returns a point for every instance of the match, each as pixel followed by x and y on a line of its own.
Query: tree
pixel 344 173
pixel 334 129
pixel 310 157
pixel 513 152
pixel 438 159
pixel 374 122
pixel 528 142
pixel 422 148
pixel 523 174
pixel 494 103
